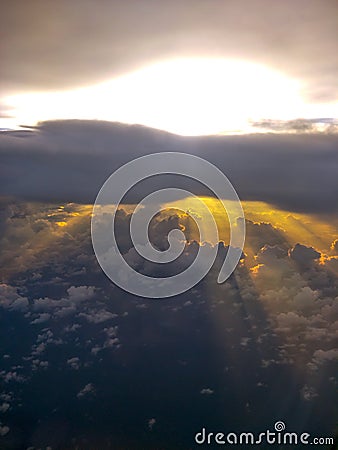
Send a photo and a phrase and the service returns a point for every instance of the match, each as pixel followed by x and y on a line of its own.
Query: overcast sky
pixel 47 45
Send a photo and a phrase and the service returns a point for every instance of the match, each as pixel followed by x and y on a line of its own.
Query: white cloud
pixel 151 423
pixel 4 429
pixel 74 363
pixel 4 407
pixel 291 321
pixel 88 389
pixel 11 376
pixel 43 317
pixel 98 316
pixel 206 391
pixel 10 299
pixel 309 393
pixel 322 356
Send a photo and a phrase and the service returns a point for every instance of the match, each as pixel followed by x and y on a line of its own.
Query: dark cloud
pixel 304 255
pixel 68 161
pixel 298 125
pixel 48 45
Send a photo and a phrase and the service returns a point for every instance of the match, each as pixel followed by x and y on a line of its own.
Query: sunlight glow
pixel 295 227
pixel 184 96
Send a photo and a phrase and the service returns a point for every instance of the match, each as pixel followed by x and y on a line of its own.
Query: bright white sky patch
pixel 185 96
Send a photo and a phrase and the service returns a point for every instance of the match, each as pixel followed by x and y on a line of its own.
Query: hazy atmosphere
pixel 87 87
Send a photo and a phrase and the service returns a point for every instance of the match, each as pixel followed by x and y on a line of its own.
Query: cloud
pixel 4 407
pixel 80 293
pixel 4 429
pixel 151 423
pixel 108 41
pixel 291 320
pixel 281 317
pixel 334 247
pixel 88 389
pixel 299 292
pixel 111 337
pixel 98 316
pixel 68 161
pixel 38 364
pixel 304 255
pixel 332 264
pixel 322 356
pixel 308 393
pixel 11 376
pixel 329 125
pixel 260 234
pixel 283 295
pixel 43 317
pixel 74 363
pixel 206 391
pixel 10 299
pixel 74 302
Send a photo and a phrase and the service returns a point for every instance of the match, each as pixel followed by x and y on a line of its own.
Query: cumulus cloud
pixel 322 356
pixel 43 309
pixel 88 389
pixel 4 429
pixel 43 317
pixel 291 320
pixel 332 264
pixel 74 363
pixel 334 247
pixel 98 316
pixel 11 376
pixel 206 391
pixel 308 393
pixel 299 292
pixel 151 423
pixel 111 337
pixel 304 255
pixel 10 299
pixel 279 307
pixel 4 407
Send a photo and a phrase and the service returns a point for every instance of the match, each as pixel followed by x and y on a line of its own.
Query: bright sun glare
pixel 185 96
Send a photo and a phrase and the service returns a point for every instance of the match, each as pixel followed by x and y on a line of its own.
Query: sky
pixel 228 64
pixel 86 87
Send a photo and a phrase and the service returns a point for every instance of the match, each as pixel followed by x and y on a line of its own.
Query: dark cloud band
pixel 68 161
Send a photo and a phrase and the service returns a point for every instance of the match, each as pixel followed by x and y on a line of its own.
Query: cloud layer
pixel 45 46
pixel 68 161
pixel 66 325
